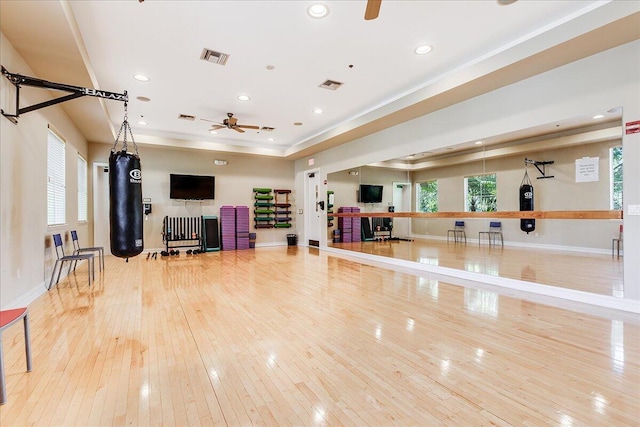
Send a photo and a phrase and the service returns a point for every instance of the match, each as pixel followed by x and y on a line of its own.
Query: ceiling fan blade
pixel 216 127
pixel 248 127
pixel 372 10
pixel 237 129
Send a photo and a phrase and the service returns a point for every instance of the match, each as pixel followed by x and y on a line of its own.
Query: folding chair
pixel 62 258
pixel 495 229
pixel 8 318
pixel 458 232
pixel 616 242
pixel 78 250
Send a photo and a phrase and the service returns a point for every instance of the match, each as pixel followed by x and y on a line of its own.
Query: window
pixel 480 193
pixel 615 154
pixel 55 179
pixel 427 196
pixel 82 189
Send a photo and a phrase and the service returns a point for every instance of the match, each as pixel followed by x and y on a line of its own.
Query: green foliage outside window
pixel 616 178
pixel 428 196
pixel 481 193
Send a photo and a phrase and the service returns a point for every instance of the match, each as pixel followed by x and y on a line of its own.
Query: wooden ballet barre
pixel 613 214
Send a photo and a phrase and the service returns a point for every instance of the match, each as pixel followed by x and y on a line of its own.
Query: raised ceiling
pixel 280 56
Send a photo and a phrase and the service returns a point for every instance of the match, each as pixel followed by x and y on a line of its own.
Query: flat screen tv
pixel 370 193
pixel 191 187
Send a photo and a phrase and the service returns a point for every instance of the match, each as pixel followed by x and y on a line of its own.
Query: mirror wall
pixel 573 254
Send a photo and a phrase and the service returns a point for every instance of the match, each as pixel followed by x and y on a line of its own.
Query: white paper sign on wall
pixel 587 169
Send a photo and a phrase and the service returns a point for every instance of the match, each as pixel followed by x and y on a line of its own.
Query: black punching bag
pixel 125 207
pixel 526 204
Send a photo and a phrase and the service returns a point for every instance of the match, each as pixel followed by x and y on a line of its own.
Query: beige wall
pixel 233 185
pixel 552 194
pixel 26 256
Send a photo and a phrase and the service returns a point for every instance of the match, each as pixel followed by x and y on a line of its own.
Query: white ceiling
pixel 475 43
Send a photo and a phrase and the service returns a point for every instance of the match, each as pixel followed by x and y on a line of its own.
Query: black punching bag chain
pixel 127 129
pixel 125 197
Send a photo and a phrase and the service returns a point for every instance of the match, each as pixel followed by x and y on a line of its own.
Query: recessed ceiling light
pixel 243 97
pixel 598 116
pixel 270 139
pixel 318 110
pixel 213 132
pixel 141 77
pixel 421 50
pixel 506 2
pixel 142 122
pixel 297 123
pixel 478 142
pixel 270 67
pixel 143 98
pixel 318 10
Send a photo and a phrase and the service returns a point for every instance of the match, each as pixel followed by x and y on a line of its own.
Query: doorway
pixel 402 203
pixel 101 206
pixel 314 203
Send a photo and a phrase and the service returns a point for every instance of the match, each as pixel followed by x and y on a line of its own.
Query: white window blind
pixel 82 189
pixel 55 179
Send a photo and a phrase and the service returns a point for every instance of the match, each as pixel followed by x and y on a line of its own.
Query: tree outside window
pixel 480 193
pixel 428 196
pixel 616 178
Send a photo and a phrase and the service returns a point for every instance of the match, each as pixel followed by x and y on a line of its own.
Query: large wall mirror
pixel 586 175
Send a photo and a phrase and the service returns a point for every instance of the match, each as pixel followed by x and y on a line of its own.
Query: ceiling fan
pixel 372 10
pixel 231 123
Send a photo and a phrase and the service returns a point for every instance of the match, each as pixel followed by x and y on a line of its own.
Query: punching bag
pixel 526 204
pixel 125 198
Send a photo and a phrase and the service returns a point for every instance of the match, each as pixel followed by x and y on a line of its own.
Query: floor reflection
pixel 595 273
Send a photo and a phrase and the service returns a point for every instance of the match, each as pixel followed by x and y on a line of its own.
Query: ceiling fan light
pixel 421 50
pixel 318 10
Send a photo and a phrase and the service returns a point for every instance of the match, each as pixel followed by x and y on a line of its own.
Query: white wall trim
pixel 29 297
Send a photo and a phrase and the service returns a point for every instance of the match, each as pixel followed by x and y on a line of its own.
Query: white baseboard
pixel 29 297
pixel 579 249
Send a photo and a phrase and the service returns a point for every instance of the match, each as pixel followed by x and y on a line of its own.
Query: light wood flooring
pixel 294 336
pixel 596 273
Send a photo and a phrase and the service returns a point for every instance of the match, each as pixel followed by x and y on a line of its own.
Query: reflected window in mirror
pixel 481 193
pixel 427 196
pixel 616 177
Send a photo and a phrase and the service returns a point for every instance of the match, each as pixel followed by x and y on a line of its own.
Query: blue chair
pixel 458 232
pixel 495 230
pixel 62 258
pixel 78 250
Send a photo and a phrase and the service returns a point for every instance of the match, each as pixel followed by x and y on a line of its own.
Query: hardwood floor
pixel 295 336
pixel 596 273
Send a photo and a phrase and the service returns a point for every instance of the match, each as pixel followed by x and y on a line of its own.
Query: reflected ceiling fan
pixel 372 10
pixel 231 123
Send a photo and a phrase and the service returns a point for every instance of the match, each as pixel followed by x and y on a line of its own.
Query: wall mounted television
pixel 370 193
pixel 192 187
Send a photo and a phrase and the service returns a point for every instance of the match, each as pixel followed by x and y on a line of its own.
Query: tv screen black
pixel 191 187
pixel 370 193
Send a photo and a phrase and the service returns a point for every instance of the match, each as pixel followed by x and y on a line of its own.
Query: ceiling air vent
pixel 186 117
pixel 213 56
pixel 331 85
pixel 267 128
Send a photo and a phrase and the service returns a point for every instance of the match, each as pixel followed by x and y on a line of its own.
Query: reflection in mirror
pixel 573 165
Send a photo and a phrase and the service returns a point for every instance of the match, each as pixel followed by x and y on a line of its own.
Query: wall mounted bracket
pixel 537 164
pixel 74 92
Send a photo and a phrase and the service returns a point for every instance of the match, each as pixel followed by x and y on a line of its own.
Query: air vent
pixel 331 85
pixel 267 128
pixel 186 117
pixel 213 56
